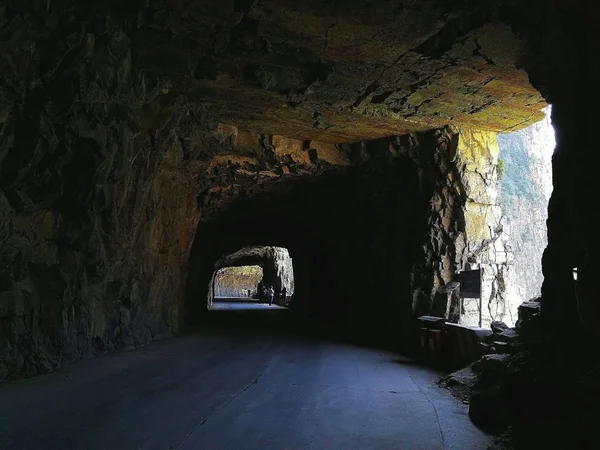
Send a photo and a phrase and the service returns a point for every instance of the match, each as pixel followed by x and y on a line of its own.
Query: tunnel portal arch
pixel 353 238
pixel 248 223
pixel 275 262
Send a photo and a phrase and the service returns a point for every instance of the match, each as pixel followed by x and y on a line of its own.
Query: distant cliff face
pixel 508 182
pixel 524 191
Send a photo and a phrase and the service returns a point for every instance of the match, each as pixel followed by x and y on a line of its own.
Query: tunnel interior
pixel 352 253
pixel 143 143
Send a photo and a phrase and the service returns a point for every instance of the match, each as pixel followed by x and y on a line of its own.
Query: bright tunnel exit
pixel 255 277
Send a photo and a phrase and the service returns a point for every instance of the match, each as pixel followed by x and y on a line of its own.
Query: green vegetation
pixel 500 168
pixel 514 174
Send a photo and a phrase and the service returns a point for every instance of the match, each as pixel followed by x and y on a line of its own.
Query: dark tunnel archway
pixel 353 237
pixel 264 220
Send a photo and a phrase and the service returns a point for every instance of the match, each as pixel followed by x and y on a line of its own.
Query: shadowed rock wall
pixel 97 200
pixel 104 174
pixel 562 42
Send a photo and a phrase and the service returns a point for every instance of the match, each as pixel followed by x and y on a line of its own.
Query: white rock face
pixel 524 192
pixel 506 211
pixel 478 157
pixel 285 270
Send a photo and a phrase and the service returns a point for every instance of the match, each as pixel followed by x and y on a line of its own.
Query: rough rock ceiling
pixel 341 71
pixel 248 256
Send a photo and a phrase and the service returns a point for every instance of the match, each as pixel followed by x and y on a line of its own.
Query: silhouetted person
pixel 262 292
pixel 282 296
pixel 270 294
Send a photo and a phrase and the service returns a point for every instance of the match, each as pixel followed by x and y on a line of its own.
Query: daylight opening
pixel 237 282
pixel 256 277
pixel 511 267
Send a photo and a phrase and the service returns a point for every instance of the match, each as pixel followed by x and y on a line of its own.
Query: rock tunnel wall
pixel 285 270
pixel 477 156
pixel 97 195
pixel 100 192
pixel 104 176
pixel 563 41
pixel 552 387
pixel 93 251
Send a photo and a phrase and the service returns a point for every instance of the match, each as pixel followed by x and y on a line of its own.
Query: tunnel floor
pixel 225 388
pixel 241 305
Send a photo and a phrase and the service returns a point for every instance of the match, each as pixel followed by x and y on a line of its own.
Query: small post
pixel 459 296
pixel 212 299
pixel 480 295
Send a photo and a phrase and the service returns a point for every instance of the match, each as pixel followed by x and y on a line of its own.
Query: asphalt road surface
pixel 235 388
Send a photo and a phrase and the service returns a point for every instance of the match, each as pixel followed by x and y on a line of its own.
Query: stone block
pixel 529 309
pixel 509 335
pixel 494 363
pixel 498 326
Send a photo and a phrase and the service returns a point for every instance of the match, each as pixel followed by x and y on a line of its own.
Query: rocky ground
pixel 518 386
pixel 487 384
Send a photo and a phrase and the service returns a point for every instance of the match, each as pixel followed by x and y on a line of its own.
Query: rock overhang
pixel 252 255
pixel 341 72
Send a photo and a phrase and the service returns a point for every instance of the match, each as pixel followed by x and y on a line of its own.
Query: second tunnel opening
pixel 251 278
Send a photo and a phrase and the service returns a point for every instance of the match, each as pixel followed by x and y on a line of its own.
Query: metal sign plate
pixel 470 283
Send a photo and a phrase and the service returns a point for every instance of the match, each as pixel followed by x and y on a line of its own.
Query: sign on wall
pixel 470 283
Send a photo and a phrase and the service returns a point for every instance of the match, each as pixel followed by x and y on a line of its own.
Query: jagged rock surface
pixel 326 72
pixel 312 70
pixel 91 247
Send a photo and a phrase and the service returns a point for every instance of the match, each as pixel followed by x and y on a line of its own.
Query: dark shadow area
pixel 353 238
pixel 365 260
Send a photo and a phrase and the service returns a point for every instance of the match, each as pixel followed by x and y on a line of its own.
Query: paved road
pixel 241 305
pixel 231 388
